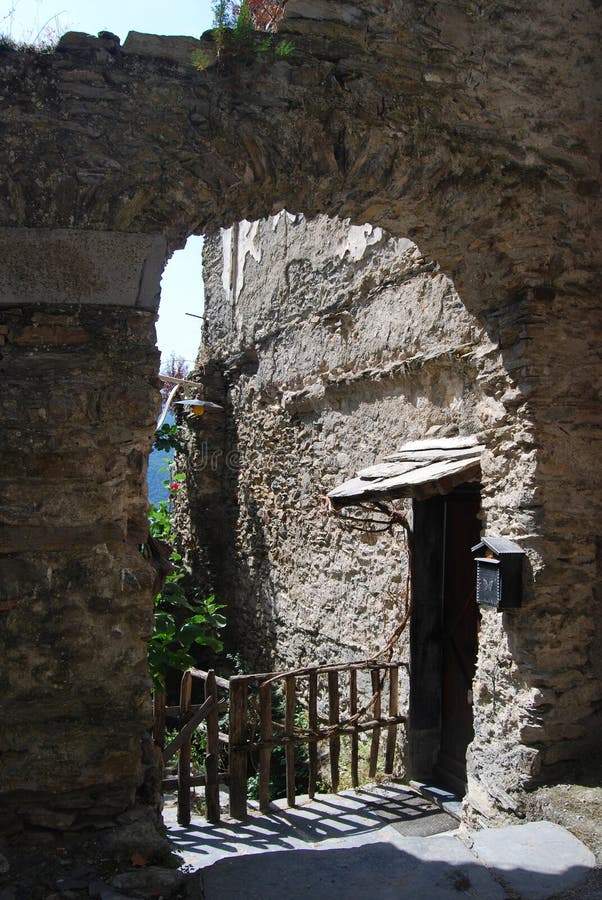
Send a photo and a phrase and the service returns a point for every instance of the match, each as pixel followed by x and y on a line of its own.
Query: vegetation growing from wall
pixel 182 619
pixel 41 40
pixel 241 31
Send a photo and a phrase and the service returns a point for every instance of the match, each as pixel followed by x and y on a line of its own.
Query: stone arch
pixel 467 130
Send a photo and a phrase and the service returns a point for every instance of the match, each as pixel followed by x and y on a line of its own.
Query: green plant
pixel 239 31
pixel 180 621
pixel 198 748
pixel 200 60
pixel 284 49
pixel 168 438
pixel 179 624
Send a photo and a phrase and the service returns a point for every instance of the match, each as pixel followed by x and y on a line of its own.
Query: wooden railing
pixel 331 710
pixel 320 681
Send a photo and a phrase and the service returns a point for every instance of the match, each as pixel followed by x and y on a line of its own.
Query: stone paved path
pixel 384 842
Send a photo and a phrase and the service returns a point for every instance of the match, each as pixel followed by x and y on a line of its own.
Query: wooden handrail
pixel 354 736
pixel 334 739
pixel 200 673
pixel 265 752
pixel 258 677
pixel 238 748
pixel 313 738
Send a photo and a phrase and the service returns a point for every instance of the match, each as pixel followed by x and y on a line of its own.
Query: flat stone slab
pixel 435 867
pixel 76 266
pixel 537 859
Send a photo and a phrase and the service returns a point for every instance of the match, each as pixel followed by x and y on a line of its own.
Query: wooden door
pixel 460 622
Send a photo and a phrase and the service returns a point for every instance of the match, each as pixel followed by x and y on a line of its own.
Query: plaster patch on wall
pixel 227 257
pixel 290 218
pixel 357 240
pixel 238 242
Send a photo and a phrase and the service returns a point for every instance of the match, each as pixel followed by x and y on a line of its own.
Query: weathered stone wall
pixel 336 345
pixel 333 346
pixel 79 397
pixel 472 130
pixel 466 129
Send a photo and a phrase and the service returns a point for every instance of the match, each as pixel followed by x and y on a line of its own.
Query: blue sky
pixel 190 17
pixel 182 289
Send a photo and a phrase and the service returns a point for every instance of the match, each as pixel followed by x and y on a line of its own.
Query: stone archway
pixel 468 130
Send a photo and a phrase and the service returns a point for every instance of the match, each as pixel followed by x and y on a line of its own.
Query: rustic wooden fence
pixel 190 717
pixel 331 710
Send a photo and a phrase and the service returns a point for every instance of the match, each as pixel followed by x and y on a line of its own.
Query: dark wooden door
pixel 459 637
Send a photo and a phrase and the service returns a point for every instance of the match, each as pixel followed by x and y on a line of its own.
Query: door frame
pixel 426 631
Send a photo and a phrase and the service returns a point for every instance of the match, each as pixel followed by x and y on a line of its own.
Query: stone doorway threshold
pixel 446 800
pixel 385 841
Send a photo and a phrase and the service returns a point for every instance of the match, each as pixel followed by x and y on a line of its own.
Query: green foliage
pixel 168 438
pixel 198 748
pixel 284 49
pixel 180 621
pixel 236 36
pixel 200 60
pixel 179 624
pixel 159 519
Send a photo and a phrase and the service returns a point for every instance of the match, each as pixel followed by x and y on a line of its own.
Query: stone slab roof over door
pixel 419 469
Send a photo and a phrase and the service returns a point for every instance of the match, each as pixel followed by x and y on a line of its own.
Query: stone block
pixel 79 40
pixel 50 818
pixel 149 881
pixel 79 267
pixel 24 538
pixel 562 860
pixel 177 49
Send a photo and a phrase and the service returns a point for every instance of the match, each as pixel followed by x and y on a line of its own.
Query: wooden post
pixel 159 718
pixel 354 737
pixel 184 757
pixel 313 727
pixel 212 757
pixel 289 731
pixel 333 719
pixel 393 711
pixel 374 674
pixel 239 691
pixel 265 753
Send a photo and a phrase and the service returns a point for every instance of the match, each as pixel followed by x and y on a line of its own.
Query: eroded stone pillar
pixel 80 395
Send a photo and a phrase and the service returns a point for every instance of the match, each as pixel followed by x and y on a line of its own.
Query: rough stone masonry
pixel 329 346
pixel 471 130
